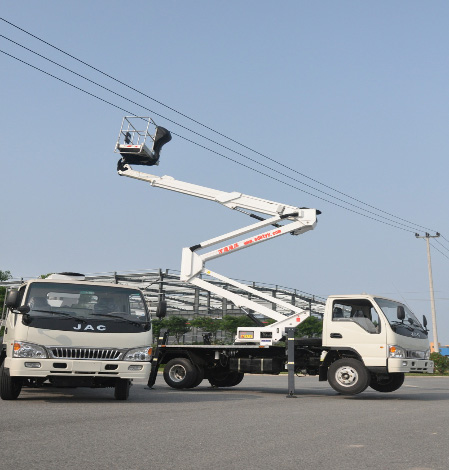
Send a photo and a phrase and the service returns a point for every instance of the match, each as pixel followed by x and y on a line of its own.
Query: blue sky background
pixel 352 94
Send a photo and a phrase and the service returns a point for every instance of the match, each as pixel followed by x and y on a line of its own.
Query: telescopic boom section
pixel 282 219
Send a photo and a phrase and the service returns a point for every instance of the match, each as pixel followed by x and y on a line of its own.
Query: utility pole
pixel 436 347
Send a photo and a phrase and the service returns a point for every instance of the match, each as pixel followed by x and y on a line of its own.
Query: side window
pixel 360 311
pixel 341 312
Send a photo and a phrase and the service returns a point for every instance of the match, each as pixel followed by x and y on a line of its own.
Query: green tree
pixel 207 324
pixel 5 275
pixel 157 324
pixel 311 327
pixel 2 297
pixel 176 325
pixel 441 362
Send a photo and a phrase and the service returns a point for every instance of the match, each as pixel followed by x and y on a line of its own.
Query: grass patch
pixel 435 374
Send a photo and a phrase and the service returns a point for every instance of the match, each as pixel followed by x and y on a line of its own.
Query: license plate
pixel 86 366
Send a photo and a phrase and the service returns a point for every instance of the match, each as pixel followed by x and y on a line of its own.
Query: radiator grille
pixel 86 353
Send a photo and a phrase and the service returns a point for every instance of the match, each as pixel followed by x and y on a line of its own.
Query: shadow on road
pixel 163 394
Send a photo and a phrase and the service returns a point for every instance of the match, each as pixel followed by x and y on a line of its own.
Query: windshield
pixel 403 327
pixel 85 304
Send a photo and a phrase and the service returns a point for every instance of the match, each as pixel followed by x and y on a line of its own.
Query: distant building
pixel 444 350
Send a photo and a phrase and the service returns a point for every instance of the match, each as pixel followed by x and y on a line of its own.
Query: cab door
pixel 355 324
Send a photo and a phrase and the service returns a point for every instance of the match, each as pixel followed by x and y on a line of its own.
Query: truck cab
pixel 64 331
pixel 382 334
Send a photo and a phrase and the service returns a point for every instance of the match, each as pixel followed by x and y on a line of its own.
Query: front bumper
pixel 424 366
pixel 27 367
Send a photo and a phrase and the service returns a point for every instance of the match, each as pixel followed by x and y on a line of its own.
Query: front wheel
pixel 180 373
pixel 387 383
pixel 348 376
pixel 10 387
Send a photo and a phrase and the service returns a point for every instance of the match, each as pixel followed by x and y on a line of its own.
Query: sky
pixel 348 97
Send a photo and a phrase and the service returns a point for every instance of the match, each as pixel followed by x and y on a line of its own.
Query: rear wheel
pixel 387 383
pixel 348 376
pixel 122 387
pixel 10 387
pixel 229 379
pixel 180 373
pixel 199 378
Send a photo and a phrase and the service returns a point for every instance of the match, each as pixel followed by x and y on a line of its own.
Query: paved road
pixel 251 426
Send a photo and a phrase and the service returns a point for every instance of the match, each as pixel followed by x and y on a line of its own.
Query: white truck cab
pixel 64 331
pixel 382 334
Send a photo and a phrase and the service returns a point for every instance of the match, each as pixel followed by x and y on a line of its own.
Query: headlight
pixel 138 354
pixel 427 354
pixel 396 351
pixel 21 349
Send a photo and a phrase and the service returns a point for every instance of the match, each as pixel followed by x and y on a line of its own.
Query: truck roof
pixel 361 296
pixel 81 283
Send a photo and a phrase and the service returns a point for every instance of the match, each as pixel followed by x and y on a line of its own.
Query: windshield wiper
pixel 397 323
pixel 415 323
pixel 134 322
pixel 61 313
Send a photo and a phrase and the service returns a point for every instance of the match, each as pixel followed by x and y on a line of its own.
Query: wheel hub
pixel 177 373
pixel 346 376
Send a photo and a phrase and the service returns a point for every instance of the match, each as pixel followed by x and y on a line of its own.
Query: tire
pixel 348 376
pixel 180 373
pixel 387 384
pixel 230 379
pixel 10 387
pixel 200 377
pixel 122 387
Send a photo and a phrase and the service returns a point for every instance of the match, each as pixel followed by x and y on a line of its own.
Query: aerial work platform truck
pixel 367 340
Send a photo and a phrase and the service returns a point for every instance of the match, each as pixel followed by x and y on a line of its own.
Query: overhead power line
pixel 226 137
pixel 209 149
pixel 438 241
pixel 439 251
pixel 394 223
pixel 408 227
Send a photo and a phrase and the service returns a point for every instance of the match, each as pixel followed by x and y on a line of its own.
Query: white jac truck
pixel 366 341
pixel 64 331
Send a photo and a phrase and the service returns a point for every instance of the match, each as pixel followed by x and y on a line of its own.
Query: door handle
pixel 336 335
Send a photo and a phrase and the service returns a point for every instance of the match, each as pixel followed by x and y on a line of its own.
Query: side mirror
pixel 12 299
pixel 23 310
pixel 400 312
pixel 161 310
pixel 424 322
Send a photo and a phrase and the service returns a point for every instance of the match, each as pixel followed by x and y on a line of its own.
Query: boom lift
pixel 366 340
pixel 282 217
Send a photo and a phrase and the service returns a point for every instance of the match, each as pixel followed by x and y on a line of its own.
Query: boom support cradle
pixel 284 218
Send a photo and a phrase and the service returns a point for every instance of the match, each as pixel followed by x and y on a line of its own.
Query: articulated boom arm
pixel 282 219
